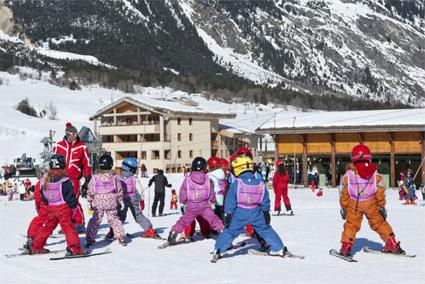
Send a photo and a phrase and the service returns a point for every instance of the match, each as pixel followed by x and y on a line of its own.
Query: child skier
pixel 247 202
pixel 104 196
pixel 363 193
pixel 218 177
pixel 280 187
pixel 57 194
pixel 133 200
pixel 196 193
pixel 173 203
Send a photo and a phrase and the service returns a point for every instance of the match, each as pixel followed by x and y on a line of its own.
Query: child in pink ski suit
pixel 196 193
pixel 104 196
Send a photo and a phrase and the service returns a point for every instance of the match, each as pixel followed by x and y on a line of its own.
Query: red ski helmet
pixel 224 163
pixel 233 157
pixel 244 151
pixel 361 153
pixel 279 162
pixel 214 163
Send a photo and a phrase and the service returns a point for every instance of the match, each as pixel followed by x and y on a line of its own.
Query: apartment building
pixel 161 134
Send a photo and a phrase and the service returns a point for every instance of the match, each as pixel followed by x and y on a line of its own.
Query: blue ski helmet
pixel 129 165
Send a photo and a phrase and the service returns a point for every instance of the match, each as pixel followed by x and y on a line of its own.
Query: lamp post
pixel 295 166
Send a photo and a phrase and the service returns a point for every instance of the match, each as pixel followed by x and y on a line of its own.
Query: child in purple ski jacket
pixel 196 194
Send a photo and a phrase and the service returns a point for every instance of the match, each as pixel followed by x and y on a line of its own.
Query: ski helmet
pixel 199 164
pixel 244 151
pixel 361 153
pixel 224 163
pixel 105 162
pixel 129 165
pixel 242 164
pixel 214 163
pixel 57 161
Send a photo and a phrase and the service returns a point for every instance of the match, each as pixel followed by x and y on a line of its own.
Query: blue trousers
pixel 242 217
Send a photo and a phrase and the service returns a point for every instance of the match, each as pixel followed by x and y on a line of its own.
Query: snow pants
pixel 281 193
pixel 354 218
pixel 203 224
pixel 76 185
pixel 412 194
pixel 173 204
pixel 194 210
pixel 37 222
pixel 159 197
pixel 242 217
pixel 57 214
pixel 113 221
pixel 132 203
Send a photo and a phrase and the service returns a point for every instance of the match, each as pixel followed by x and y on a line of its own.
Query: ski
pixel 236 246
pixel 287 255
pixel 54 236
pixel 24 253
pixel 369 250
pixel 138 235
pixel 81 256
pixel 336 253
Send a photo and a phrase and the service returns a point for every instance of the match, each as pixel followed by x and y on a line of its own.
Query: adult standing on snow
pixel 280 187
pixel 363 193
pixel 160 183
pixel 77 162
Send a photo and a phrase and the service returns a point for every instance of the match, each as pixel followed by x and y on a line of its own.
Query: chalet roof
pixel 346 121
pixel 169 107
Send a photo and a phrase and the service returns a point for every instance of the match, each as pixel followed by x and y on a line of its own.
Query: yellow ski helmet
pixel 242 164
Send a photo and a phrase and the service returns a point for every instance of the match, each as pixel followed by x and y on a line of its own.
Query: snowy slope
pixel 314 231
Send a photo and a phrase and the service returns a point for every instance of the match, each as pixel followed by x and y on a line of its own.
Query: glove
pixel 76 216
pixel 142 204
pixel 266 215
pixel 343 212
pixel 182 208
pixel 227 220
pixel 383 212
pixel 85 186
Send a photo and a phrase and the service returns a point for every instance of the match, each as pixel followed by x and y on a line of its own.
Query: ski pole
pixel 417 171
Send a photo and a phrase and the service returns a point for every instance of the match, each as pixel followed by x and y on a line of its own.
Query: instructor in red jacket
pixel 77 163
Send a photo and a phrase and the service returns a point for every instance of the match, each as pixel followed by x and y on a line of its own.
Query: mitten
pixel 227 220
pixel 76 216
pixel 142 204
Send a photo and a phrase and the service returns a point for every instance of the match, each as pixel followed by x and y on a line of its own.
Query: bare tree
pixel 53 112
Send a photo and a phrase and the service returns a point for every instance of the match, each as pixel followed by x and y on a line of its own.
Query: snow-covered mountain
pixel 370 49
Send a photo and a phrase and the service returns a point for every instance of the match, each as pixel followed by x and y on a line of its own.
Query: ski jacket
pixel 67 191
pixel 160 182
pixel 76 156
pixel 378 197
pixel 218 177
pixel 199 179
pixel 105 199
pixel 280 182
pixel 131 186
pixel 231 203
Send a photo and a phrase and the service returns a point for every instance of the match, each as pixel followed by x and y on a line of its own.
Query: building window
pixel 190 137
pixel 179 137
pixel 179 121
pixel 190 121
pixel 167 154
pixel 143 155
pixel 155 155
pixel 179 154
pixel 190 154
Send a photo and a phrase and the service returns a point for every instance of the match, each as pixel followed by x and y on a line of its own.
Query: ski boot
pixel 80 229
pixel 28 244
pixel 39 251
pixel 172 238
pixel 110 235
pixel 122 241
pixel 70 252
pixel 346 249
pixel 150 233
pixel 89 242
pixel 392 246
pixel 289 209
pixel 280 253
pixel 216 256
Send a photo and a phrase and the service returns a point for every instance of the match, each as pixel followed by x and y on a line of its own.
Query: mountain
pixel 269 50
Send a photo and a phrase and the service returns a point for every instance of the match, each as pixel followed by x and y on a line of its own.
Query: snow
pixel 314 119
pixel 312 232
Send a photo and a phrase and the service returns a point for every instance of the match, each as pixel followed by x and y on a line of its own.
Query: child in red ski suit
pixel 173 203
pixel 57 194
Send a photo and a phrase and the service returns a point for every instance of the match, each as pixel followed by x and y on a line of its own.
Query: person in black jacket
pixel 160 183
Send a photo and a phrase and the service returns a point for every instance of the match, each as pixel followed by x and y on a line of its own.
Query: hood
pixel 198 177
pixel 218 173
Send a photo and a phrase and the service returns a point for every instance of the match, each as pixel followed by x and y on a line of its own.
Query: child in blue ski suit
pixel 247 202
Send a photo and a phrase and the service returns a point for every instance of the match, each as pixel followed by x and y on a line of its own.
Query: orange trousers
pixel 354 218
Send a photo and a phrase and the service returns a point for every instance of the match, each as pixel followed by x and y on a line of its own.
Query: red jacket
pixel 77 158
pixel 280 181
pixel 37 196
